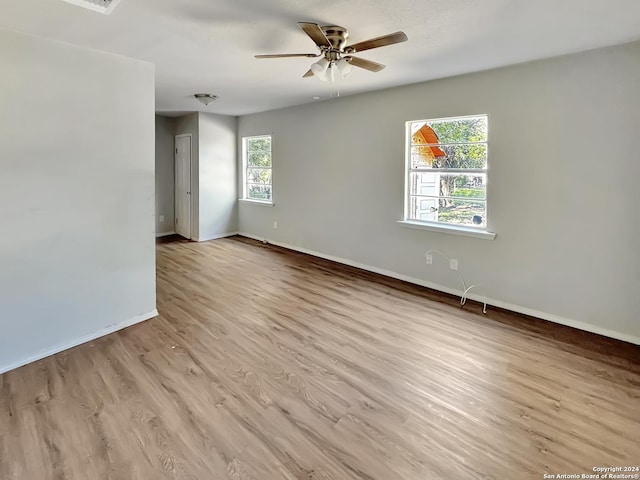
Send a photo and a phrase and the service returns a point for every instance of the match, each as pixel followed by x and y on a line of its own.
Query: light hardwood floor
pixel 269 364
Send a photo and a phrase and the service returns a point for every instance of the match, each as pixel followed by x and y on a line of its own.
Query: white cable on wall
pixel 463 298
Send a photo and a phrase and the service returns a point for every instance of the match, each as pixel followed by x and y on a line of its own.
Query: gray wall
pixel 77 253
pixel 165 174
pixel 217 164
pixel 188 124
pixel 563 185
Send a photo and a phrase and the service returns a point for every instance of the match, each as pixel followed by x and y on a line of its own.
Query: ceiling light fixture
pixel 344 67
pixel 205 98
pixel 319 69
pixel 331 70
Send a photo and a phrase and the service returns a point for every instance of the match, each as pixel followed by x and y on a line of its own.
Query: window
pixel 256 153
pixel 446 179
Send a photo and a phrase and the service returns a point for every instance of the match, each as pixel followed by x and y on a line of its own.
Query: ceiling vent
pixel 102 6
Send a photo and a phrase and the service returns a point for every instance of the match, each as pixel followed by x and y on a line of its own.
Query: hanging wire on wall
pixel 465 289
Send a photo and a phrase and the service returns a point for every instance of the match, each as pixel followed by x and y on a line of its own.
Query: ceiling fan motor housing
pixel 337 36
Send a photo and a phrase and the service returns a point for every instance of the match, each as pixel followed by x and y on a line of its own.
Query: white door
pixel 183 185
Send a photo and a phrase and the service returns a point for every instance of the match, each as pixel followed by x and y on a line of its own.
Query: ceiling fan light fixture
pixel 344 68
pixel 205 98
pixel 319 68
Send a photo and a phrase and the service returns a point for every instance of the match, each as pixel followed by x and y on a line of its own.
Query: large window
pixel 446 179
pixel 256 153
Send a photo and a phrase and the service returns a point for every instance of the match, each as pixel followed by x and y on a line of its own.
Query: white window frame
pixel 465 230
pixel 245 168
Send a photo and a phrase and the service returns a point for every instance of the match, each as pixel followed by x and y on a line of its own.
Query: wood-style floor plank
pixel 269 364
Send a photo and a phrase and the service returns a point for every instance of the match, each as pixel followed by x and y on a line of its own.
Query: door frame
pixel 175 177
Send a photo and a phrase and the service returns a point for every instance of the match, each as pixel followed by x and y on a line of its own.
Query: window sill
pixel 451 229
pixel 256 202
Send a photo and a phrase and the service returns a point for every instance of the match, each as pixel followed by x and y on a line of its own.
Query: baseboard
pixel 479 298
pixel 214 237
pixel 164 234
pixel 79 341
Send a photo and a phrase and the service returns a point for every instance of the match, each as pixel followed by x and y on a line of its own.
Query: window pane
pixel 424 183
pixel 471 213
pixel 463 212
pixel 259 143
pixel 462 130
pixel 259 175
pixel 259 159
pixel 422 208
pixel 449 156
pixel 259 192
pixel 438 184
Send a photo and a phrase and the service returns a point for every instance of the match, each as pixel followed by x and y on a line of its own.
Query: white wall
pixel 217 176
pixel 165 174
pixel 563 185
pixel 77 253
pixel 188 124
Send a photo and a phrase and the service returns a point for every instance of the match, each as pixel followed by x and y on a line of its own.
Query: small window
pixel 446 179
pixel 256 152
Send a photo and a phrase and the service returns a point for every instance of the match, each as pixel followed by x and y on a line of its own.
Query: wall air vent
pixel 102 6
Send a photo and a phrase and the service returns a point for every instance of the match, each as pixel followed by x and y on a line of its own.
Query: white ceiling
pixel 208 45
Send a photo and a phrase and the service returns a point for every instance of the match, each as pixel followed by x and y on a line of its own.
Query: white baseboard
pixel 164 234
pixel 78 341
pixel 214 237
pixel 479 298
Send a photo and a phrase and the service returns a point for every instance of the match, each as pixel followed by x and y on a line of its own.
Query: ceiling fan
pixel 337 56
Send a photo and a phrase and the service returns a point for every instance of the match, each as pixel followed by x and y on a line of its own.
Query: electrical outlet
pixel 453 264
pixel 429 259
pixel 161 218
pixel 275 224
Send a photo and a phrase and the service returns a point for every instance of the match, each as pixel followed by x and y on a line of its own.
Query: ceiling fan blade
pixel 287 55
pixel 308 74
pixel 377 42
pixel 366 64
pixel 315 32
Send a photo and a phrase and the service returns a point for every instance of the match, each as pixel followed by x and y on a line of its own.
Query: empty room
pixel 287 239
